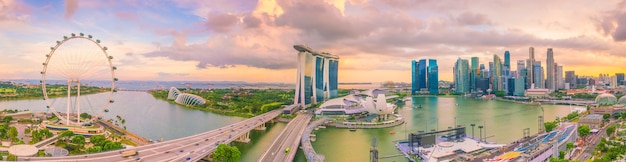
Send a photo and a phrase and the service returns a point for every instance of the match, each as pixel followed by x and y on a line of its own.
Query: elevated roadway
pixel 566 102
pixel 191 148
pixel 288 138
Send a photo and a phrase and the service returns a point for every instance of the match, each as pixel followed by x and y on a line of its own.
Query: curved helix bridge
pixel 184 98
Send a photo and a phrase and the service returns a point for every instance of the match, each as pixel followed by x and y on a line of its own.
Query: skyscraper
pixel 433 76
pixel 317 76
pixel 507 60
pixel 461 76
pixel 474 73
pixel 414 78
pixel 560 83
pixel 510 87
pixel 506 73
pixel 482 71
pixel 550 78
pixel 521 64
pixel 519 87
pixel 421 74
pixel 613 82
pixel 538 78
pixel 530 66
pixel 523 76
pixel 570 78
pixel 490 73
pixel 620 78
pixel 558 75
pixel 497 74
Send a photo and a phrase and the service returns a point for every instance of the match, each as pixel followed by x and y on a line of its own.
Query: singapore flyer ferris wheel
pixel 78 63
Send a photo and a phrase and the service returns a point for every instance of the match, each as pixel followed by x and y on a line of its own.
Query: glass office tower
pixel 433 76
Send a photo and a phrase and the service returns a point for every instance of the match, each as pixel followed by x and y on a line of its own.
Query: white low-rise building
pixel 537 93
pixel 372 101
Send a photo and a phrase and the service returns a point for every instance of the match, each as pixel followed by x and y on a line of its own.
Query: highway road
pixel 191 148
pixel 288 138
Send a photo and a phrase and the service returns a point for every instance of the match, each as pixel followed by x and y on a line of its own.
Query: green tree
pixel 12 132
pixel 46 133
pixel 11 157
pixel 569 146
pixel 94 149
pixel 610 130
pixel 500 93
pixel 561 155
pixel 79 140
pixel 606 116
pixel 550 126
pixel 617 116
pixel 112 146
pixel 71 147
pixel 553 159
pixel 97 140
pixel 225 153
pixel 7 119
pixel 583 130
pixel 85 116
pixel 65 135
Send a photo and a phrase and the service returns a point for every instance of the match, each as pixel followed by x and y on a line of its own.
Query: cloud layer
pixel 216 36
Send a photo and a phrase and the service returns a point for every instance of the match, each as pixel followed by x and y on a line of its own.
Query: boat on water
pixel 392 132
pixel 352 129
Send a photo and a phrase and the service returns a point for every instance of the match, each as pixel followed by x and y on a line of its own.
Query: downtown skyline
pixel 252 41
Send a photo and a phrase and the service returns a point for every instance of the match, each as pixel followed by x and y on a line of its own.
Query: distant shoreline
pixel 354 83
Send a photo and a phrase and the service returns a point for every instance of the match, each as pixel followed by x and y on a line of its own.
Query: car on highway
pixel 167 152
pixel 138 159
pixel 182 150
pixel 188 158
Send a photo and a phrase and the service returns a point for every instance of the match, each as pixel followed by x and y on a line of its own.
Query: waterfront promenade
pixel 308 149
pixel 367 125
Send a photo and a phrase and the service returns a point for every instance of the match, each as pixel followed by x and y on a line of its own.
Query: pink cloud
pixel 70 8
pixel 221 22
pixel 11 10
pixel 125 15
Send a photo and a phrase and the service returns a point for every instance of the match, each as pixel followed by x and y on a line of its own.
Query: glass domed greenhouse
pixel 606 98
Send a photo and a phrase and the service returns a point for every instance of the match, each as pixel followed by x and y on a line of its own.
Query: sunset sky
pixel 246 40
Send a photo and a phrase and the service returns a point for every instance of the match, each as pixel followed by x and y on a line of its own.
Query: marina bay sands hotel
pixel 317 76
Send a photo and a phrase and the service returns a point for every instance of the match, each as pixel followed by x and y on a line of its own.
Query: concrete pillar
pixel 261 127
pixel 245 138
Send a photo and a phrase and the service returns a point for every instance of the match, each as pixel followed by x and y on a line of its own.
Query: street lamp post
pixel 473 136
pixel 481 133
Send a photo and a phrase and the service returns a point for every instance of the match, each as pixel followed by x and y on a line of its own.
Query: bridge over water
pixel 286 143
pixel 193 147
